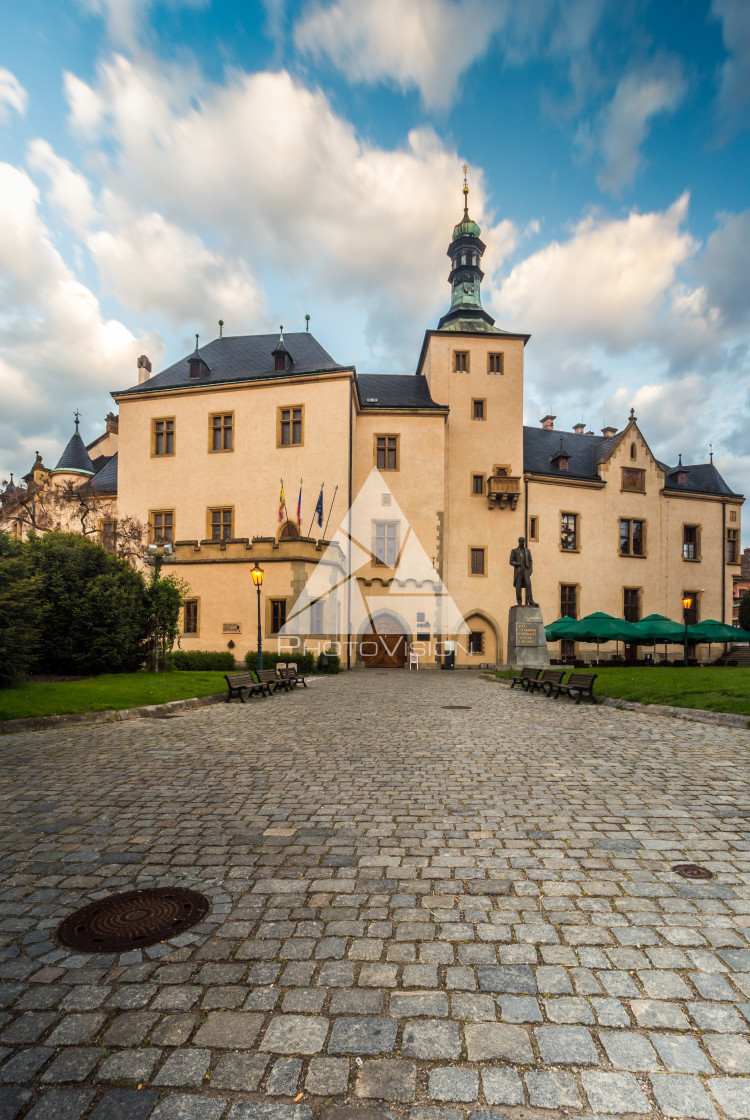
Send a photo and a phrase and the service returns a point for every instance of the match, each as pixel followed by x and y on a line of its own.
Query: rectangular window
pixel 567 650
pixel 108 533
pixel 690 541
pixel 161 526
pixel 278 615
pixel 477 484
pixel 495 363
pixel 476 641
pixel 190 618
pixel 632 537
pixel 163 437
pixel 461 358
pixel 386 542
pixel 290 427
pixel 569 532
pixel 222 426
pixel 690 616
pixel 634 480
pixel 631 603
pixel 316 617
pixel 533 528
pixel 569 600
pixel 733 546
pixel 477 561
pixel 386 453
pixel 220 524
pixel 478 410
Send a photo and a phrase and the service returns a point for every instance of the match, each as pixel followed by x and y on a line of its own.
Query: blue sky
pixel 167 164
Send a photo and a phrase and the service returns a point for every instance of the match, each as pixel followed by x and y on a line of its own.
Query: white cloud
pixel 639 97
pixel 69 190
pixel 734 85
pixel 725 264
pixel 13 97
pixel 126 20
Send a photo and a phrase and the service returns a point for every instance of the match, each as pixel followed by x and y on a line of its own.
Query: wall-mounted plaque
pixel 230 628
pixel 526 634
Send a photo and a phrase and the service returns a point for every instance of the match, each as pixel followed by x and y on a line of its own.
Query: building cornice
pixel 348 374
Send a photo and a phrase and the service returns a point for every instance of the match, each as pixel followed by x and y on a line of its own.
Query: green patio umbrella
pixel 658 628
pixel 600 627
pixel 711 630
pixel 558 629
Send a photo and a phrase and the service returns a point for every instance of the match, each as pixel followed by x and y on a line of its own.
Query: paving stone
pixel 125 1104
pixel 515 979
pixel 284 1077
pixel 76 1028
pixel 487 1041
pixel 327 1077
pixel 453 1083
pixel 184 1068
pixel 387 1079
pixel 355 1002
pixel 241 1072
pixel 184 1106
pixel 548 1089
pixel 406 1005
pixel 519 1009
pixel 173 1030
pixel 553 980
pixel 659 1013
pixel 61 1104
pixel 431 1038
pixel 660 984
pixel 130 1028
pixel 130 1065
pixel 12 1100
pixel 731 1052
pixel 230 1030
pixel 502 1086
pixel 28 1027
pixel 715 1017
pixel 683 1054
pixel 428 1113
pixel 732 1095
pixel 566 1046
pixel 72 1065
pixel 614 1092
pixel 21 1067
pixel 680 1095
pixel 473 1007
pixel 628 1050
pixel 363 1035
pixel 568 1009
pixel 295 1034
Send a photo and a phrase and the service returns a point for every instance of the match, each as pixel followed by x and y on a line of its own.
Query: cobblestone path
pixel 437 913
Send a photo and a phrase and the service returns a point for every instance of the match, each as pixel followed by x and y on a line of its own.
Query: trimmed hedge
pixel 334 664
pixel 305 662
pixel 196 660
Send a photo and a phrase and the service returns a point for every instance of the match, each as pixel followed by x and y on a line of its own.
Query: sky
pixel 168 163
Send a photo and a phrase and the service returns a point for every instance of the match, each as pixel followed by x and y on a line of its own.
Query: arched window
pixel 289 531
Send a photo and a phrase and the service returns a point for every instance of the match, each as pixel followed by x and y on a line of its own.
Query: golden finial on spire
pixel 465 168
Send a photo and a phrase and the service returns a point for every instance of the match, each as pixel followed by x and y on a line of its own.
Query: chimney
pixel 112 422
pixel 609 431
pixel 144 369
pixel 579 429
pixel 548 423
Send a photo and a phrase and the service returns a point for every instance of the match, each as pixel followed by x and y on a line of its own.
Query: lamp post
pixel 257 574
pixel 156 555
pixel 687 602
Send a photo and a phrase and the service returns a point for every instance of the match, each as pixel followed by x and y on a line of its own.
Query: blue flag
pixel 319 509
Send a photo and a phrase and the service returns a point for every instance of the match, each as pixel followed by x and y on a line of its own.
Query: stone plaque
pixel 230 628
pixel 526 634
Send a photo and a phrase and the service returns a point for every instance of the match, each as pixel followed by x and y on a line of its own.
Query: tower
pixel 465 251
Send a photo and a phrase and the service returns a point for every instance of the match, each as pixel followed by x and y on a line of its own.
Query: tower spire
pixel 465 168
pixel 465 251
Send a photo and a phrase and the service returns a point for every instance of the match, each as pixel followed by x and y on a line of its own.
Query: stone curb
pixel 150 711
pixel 695 715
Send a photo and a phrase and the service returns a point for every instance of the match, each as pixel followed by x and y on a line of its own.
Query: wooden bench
pixel 527 676
pixel 237 683
pixel 289 673
pixel 271 681
pixel 544 683
pixel 580 683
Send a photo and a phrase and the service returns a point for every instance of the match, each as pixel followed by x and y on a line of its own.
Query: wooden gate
pixel 384 645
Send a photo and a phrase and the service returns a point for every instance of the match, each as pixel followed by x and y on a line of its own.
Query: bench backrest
pixel 582 680
pixel 234 679
pixel 529 674
pixel 552 676
pixel 265 675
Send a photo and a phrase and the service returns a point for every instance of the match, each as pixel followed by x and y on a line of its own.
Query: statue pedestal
pixel 527 645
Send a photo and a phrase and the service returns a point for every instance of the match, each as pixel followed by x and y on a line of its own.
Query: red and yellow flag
pixel 282 503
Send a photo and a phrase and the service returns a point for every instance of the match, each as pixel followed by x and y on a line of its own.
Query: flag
pixel 319 509
pixel 282 503
pixel 299 506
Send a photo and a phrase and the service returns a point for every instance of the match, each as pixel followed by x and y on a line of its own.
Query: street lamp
pixel 257 574
pixel 687 602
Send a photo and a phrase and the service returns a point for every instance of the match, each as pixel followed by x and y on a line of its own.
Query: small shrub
pixel 196 660
pixel 333 666
pixel 305 662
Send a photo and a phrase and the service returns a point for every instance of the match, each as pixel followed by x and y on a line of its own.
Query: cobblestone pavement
pixel 439 913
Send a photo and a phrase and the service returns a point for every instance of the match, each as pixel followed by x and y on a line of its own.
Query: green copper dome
pixel 466 227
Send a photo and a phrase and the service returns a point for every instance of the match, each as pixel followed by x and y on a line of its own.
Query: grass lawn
pixel 97 694
pixel 720 689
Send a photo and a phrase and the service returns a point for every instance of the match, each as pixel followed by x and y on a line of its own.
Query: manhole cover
pixel 456 707
pixel 693 871
pixel 133 920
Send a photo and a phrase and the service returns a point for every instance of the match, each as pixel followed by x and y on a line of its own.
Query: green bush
pixel 20 612
pixel 334 664
pixel 305 662
pixel 199 660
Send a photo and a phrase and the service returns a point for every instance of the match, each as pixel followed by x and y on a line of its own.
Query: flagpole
pixel 333 499
pixel 299 507
pixel 312 519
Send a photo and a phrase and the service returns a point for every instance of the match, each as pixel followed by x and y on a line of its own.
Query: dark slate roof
pixel 584 452
pixel 470 326
pixel 75 457
pixel 243 358
pixel 701 478
pixel 106 479
pixel 391 390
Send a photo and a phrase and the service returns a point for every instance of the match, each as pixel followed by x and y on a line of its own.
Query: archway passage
pixel 384 644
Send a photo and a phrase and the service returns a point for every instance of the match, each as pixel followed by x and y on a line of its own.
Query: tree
pixel 20 612
pixel 744 614
pixel 94 616
pixel 164 599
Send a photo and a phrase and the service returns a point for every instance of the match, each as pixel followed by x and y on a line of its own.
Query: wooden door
pixel 384 644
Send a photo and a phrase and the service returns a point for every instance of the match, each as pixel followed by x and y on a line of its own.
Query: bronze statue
pixel 523 566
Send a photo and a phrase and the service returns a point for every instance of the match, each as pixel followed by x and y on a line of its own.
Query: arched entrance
pixel 482 644
pixel 384 644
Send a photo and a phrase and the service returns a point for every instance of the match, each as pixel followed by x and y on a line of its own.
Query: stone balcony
pixel 503 490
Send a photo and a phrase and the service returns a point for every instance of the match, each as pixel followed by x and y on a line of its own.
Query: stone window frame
pixel 696 544
pixel 291 421
pixel 274 609
pixel 631 555
pixel 497 358
pixel 210 523
pixel 221 430
pixel 577 530
pixel 461 361
pixel 475 551
pixel 164 435
pixel 386 523
pixel 639 603
pixel 479 401
pixel 472 491
pixel 733 537
pixel 533 533
pixel 197 612
pixel 152 529
pixel 386 450
pixel 481 635
pixel 106 536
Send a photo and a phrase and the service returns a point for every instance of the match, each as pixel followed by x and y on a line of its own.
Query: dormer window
pixel 279 362
pixel 560 458
pixel 282 359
